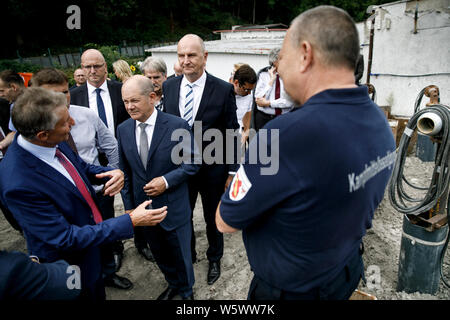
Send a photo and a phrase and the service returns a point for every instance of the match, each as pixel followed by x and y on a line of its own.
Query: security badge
pixel 240 185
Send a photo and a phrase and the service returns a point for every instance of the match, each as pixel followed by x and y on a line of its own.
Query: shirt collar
pixel 151 120
pixel 91 88
pixel 200 82
pixel 44 153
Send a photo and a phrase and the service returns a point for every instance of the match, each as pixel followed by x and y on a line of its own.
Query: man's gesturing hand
pixel 141 217
pixel 115 182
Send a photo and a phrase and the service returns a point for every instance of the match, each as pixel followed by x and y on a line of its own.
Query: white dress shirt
pixel 104 93
pixel 244 105
pixel 46 154
pixel 264 90
pixel 90 135
pixel 149 130
pixel 197 88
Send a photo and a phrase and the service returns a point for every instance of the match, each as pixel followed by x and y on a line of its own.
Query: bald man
pixel 205 102
pixel 104 97
pixel 145 146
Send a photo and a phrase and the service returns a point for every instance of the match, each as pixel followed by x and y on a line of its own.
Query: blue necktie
pixel 101 107
pixel 188 106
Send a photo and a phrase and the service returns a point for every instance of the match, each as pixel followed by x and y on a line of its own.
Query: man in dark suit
pixel 145 153
pixel 101 95
pixel 24 278
pixel 51 195
pixel 105 98
pixel 211 103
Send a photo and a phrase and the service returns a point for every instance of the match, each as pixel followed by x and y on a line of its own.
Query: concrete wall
pixel 219 64
pixel 405 62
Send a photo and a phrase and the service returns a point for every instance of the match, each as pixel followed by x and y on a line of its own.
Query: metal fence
pixel 71 60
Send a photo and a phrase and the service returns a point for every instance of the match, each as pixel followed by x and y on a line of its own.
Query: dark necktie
pixel 277 94
pixel 80 185
pixel 101 107
pixel 143 145
pixel 71 144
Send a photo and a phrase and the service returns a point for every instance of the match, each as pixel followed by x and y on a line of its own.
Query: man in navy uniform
pixel 303 226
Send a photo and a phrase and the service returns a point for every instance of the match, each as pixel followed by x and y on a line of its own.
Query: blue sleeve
pixel 39 216
pixel 127 190
pixel 185 170
pixel 23 279
pixel 106 142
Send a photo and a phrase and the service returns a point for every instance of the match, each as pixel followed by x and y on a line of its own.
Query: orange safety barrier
pixel 26 77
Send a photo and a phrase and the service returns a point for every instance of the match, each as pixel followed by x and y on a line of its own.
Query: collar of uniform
pixel 40 152
pixel 200 82
pixel 91 88
pixel 151 120
pixel 345 95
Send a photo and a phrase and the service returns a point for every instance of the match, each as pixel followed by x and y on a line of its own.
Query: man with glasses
pixel 270 98
pixel 244 81
pixel 105 98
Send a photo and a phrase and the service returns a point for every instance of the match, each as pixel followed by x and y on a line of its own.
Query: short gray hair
pixel 34 111
pixel 145 84
pixel 331 31
pixel 273 55
pixel 156 64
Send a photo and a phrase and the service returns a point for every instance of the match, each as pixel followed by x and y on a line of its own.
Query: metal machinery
pixel 425 233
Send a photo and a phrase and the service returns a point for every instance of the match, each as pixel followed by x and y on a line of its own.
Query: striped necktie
pixel 189 105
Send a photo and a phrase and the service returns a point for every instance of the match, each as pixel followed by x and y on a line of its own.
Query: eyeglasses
pixel 245 89
pixel 95 66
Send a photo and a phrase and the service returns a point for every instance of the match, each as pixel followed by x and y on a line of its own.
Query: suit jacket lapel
pixel 158 133
pixel 84 96
pixel 176 96
pixel 128 142
pixel 113 96
pixel 42 168
pixel 207 93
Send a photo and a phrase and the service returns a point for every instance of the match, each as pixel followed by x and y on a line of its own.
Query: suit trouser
pixel 140 241
pixel 211 190
pixel 339 288
pixel 262 118
pixel 172 253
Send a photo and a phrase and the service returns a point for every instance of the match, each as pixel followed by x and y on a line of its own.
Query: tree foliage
pixel 33 26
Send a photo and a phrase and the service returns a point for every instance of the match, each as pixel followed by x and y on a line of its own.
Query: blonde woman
pixel 122 70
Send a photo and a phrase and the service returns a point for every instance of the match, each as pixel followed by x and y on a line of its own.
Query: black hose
pixel 441 177
pixel 441 174
pixel 444 250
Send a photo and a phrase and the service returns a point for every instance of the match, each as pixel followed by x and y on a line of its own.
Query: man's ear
pixel 306 55
pixel 14 86
pixel 152 96
pixel 42 135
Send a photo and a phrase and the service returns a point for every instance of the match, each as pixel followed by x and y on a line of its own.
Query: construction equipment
pixel 425 234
